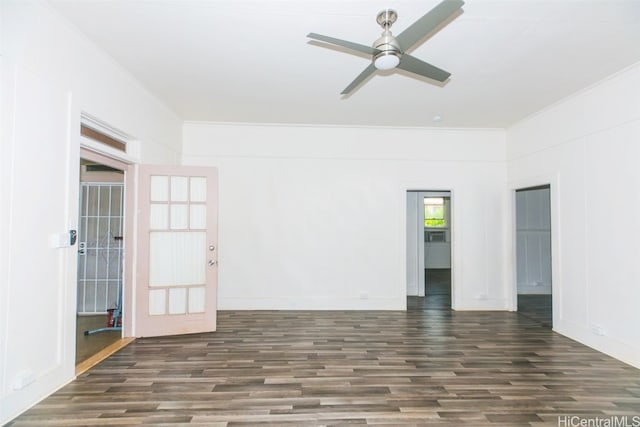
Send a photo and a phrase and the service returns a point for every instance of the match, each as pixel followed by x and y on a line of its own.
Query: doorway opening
pixel 100 258
pixel 104 260
pixel 429 234
pixel 533 253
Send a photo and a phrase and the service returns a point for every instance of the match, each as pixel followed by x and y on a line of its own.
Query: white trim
pixel 102 158
pixel 420 231
pixel 430 193
pixel 553 181
pixel 411 244
pixel 128 162
pixel 103 127
pixel 99 148
pixel 422 280
pixel 132 145
pixel 340 126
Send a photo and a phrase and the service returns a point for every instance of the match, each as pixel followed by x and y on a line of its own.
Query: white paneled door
pixel 177 250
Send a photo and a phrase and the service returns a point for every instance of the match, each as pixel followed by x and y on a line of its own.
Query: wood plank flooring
pixel 89 345
pixel 437 291
pixel 98 357
pixel 537 307
pixel 349 368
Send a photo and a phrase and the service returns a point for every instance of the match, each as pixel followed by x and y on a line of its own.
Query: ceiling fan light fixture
pixel 387 60
pixel 389 52
pixel 388 56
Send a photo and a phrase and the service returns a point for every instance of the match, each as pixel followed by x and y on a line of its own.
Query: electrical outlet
pixel 598 330
pixel 364 295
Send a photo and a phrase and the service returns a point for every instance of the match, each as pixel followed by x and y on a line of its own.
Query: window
pixel 434 212
pixel 90 133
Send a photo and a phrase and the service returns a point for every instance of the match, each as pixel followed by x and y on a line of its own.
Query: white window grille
pixel 100 246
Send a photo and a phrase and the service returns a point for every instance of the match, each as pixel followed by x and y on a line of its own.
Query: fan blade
pixel 354 46
pixel 418 66
pixel 361 77
pixel 430 23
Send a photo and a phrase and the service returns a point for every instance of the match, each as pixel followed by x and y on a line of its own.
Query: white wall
pixel 315 217
pixel 49 74
pixel 533 241
pixel 587 148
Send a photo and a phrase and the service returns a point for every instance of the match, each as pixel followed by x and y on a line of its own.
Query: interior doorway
pixel 533 253
pixel 429 235
pixel 100 258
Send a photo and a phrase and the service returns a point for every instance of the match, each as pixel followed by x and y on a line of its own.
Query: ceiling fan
pixel 389 52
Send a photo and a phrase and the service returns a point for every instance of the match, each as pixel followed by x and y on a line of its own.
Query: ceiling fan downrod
pixel 386 18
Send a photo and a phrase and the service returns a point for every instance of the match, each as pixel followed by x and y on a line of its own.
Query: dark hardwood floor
pixel 88 345
pixel 437 291
pixel 345 368
pixel 538 308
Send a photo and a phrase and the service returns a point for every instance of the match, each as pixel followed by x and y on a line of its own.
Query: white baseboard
pixel 623 351
pixel 311 303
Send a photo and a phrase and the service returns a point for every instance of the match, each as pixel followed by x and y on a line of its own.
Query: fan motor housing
pixel 389 55
pixel 387 43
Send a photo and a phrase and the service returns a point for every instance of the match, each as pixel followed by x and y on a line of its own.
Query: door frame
pixel 420 249
pixel 422 279
pixel 129 240
pixel 556 284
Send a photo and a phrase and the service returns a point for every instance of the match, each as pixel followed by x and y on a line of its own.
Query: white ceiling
pixel 250 60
